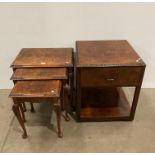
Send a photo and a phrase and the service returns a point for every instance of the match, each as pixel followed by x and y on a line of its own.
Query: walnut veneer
pixel 106 65
pixel 42 74
pixel 36 91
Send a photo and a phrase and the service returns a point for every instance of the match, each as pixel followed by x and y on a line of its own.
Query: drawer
pixel 110 76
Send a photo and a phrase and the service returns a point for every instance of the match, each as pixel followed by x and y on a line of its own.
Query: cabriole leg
pixel 16 111
pixel 57 107
pixel 22 112
pixel 24 107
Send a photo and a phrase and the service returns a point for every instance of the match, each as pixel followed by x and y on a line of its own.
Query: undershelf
pixel 119 111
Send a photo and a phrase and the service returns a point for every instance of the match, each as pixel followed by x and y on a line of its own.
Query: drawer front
pixel 110 76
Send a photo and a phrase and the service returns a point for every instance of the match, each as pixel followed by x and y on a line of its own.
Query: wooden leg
pixel 32 108
pixel 135 101
pixel 57 107
pixel 24 107
pixel 62 99
pixel 136 96
pixel 16 111
pixel 65 100
pixel 22 112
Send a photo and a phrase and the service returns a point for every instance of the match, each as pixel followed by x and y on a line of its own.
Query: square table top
pixel 43 57
pixel 106 53
pixel 48 88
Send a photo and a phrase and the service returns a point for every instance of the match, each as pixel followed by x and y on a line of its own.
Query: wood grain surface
pixel 43 57
pixel 39 73
pixel 50 88
pixel 106 53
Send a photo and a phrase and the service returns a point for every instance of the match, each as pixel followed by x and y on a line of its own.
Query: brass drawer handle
pixel 111 79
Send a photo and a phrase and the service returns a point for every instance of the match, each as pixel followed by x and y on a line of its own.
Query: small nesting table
pixel 36 91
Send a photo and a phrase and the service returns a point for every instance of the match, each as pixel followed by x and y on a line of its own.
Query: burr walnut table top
pixel 50 88
pixel 39 74
pixel 106 53
pixel 43 57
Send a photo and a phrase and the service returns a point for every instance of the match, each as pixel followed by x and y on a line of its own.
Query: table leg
pixel 32 108
pixel 22 112
pixel 57 107
pixel 134 103
pixel 16 111
pixel 24 107
pixel 66 102
pixel 62 98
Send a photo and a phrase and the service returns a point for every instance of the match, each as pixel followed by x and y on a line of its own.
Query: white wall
pixel 61 24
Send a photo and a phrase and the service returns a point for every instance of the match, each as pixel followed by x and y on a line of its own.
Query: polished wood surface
pixel 108 112
pixel 110 76
pixel 106 65
pixel 106 53
pixel 43 57
pixel 56 62
pixel 49 88
pixel 36 92
pixel 39 74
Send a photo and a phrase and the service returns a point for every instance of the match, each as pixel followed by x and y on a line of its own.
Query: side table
pixel 102 69
pixel 36 91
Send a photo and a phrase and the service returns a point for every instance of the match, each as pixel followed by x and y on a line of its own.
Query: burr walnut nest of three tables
pixel 39 75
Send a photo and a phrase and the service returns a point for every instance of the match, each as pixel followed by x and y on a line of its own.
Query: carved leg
pixel 24 107
pixel 32 108
pixel 65 100
pixel 57 107
pixel 16 111
pixel 22 112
